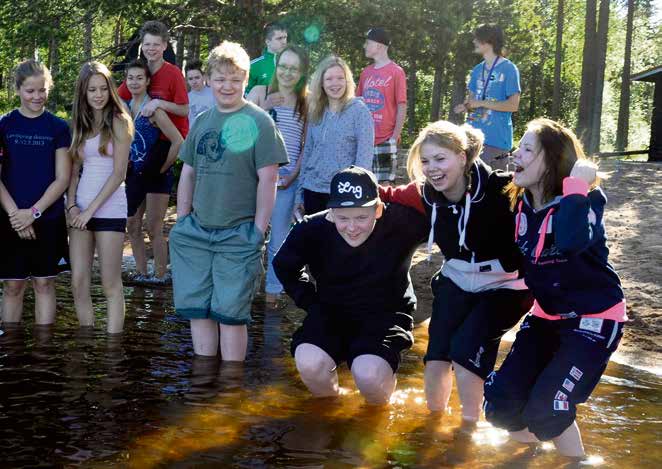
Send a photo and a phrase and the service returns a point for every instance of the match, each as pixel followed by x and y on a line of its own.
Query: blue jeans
pixel 281 219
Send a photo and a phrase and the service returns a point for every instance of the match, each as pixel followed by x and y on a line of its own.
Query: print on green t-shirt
pixel 226 150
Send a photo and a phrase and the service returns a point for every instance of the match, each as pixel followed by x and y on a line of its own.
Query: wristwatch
pixel 35 212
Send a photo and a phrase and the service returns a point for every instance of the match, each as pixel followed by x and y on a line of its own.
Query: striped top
pixel 291 128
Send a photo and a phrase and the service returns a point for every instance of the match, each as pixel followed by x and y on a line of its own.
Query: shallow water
pixel 72 398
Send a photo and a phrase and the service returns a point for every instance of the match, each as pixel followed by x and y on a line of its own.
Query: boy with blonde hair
pixel 226 194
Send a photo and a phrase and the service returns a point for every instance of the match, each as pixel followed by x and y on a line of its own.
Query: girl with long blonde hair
pixel 340 133
pixel 96 199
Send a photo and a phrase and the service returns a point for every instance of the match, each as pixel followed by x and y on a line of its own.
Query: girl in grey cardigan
pixel 340 133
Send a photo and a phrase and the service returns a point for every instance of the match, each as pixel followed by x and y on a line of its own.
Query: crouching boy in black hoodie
pixel 361 304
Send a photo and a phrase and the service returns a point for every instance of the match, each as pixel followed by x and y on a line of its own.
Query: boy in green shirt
pixel 263 67
pixel 225 197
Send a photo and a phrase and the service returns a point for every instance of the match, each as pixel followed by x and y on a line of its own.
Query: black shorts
pixel 46 256
pixel 344 339
pixel 107 224
pixel 467 327
pixel 148 179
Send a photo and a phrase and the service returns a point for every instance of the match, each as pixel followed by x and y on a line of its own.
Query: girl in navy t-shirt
pixel 34 173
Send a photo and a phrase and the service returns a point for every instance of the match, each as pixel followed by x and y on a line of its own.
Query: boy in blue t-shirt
pixel 494 94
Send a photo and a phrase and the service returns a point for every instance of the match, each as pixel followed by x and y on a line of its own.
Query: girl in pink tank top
pixel 96 199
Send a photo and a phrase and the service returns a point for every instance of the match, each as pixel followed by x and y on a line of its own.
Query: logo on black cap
pixel 353 187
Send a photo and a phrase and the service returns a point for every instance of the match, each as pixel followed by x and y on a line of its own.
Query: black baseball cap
pixel 379 35
pixel 353 187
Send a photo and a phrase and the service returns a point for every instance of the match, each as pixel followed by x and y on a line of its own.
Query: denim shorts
pixel 215 271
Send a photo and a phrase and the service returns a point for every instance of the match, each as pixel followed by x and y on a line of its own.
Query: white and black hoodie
pixel 475 235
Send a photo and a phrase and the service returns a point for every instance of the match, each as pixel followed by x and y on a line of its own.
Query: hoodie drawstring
pixel 433 219
pixel 541 237
pixel 464 221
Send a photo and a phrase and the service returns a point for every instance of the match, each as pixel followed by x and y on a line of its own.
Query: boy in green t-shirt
pixel 225 197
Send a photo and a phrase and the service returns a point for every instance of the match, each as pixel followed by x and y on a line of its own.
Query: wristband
pixel 575 185
pixel 35 212
pixel 69 208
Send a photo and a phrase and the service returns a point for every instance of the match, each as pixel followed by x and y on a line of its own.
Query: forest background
pixel 572 54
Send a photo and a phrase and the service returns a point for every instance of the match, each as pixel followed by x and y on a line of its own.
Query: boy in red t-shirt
pixel 383 87
pixel 168 92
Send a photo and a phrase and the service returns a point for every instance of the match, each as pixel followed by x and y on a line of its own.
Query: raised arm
pixel 578 223
pixel 409 196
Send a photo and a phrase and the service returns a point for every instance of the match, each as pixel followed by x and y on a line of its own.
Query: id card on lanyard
pixel 480 113
pixel 486 80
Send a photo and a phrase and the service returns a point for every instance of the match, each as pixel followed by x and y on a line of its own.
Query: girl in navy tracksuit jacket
pixel 478 293
pixel 564 344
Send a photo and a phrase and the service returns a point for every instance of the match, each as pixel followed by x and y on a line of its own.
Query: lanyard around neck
pixel 487 80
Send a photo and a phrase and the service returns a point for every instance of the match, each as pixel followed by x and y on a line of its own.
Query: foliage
pixel 429 35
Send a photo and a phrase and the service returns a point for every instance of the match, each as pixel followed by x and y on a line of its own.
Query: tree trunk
pixel 655 148
pixel 180 46
pixel 587 90
pixel 87 34
pixel 255 19
pixel 596 118
pixel 624 106
pixel 533 89
pixel 558 61
pixel 54 64
pixel 196 45
pixel 461 66
pixel 213 39
pixel 459 90
pixel 437 91
pixel 412 85
pixel 117 34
